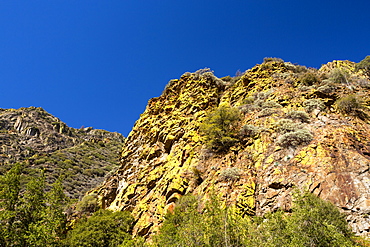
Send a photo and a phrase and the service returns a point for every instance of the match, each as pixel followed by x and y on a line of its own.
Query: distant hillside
pixel 39 140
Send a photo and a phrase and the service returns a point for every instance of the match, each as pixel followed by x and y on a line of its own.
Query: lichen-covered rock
pixel 328 153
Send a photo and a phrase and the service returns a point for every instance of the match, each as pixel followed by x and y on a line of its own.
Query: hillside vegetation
pixel 38 140
pixel 276 156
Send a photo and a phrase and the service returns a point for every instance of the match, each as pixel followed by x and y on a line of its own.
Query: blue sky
pixel 97 63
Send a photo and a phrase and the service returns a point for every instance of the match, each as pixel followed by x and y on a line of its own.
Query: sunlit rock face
pixel 303 139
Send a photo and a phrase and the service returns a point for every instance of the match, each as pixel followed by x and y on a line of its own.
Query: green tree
pixel 312 222
pixel 104 229
pixel 29 216
pixel 219 126
pixel 88 204
pixel 10 188
pixel 316 222
pixel 50 225
pixel 192 225
pixel 183 227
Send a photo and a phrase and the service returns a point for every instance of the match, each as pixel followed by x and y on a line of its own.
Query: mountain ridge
pixel 40 140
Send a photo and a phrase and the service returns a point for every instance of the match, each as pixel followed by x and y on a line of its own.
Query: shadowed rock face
pixel 164 156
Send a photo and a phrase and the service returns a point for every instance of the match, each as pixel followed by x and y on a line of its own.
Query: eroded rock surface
pixel 164 156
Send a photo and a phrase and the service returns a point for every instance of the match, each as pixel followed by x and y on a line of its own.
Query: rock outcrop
pixel 164 156
pixel 39 140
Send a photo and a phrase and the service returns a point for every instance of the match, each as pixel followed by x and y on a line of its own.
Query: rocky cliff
pixel 39 140
pixel 299 128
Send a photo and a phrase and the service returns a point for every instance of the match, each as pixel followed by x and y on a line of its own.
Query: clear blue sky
pixel 97 63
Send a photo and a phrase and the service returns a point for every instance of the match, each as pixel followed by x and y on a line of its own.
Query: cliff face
pixel 164 156
pixel 39 140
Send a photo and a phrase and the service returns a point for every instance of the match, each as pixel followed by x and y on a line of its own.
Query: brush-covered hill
pixel 253 139
pixel 39 140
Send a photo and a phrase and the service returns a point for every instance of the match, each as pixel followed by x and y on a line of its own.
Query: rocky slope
pixel 40 140
pixel 165 157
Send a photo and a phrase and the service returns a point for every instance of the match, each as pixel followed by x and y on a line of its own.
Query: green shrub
pixel 298 115
pixel 327 88
pixel 315 222
pixel 364 83
pixel 313 104
pixel 286 125
pixel 189 225
pixel 309 79
pixel 105 228
pixel 88 172
pixel 364 65
pixel 197 174
pixel 88 204
pixel 271 104
pixel 234 80
pixel 262 95
pixel 40 161
pixel 219 126
pixel 312 222
pixel 273 59
pixel 29 216
pixel 249 131
pixel 267 112
pixel 230 174
pixel 248 105
pixel 350 104
pixel 226 78
pixel 338 76
pixel 248 100
pixel 98 172
pixel 295 138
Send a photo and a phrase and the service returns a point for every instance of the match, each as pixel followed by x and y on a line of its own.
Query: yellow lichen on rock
pixel 164 156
